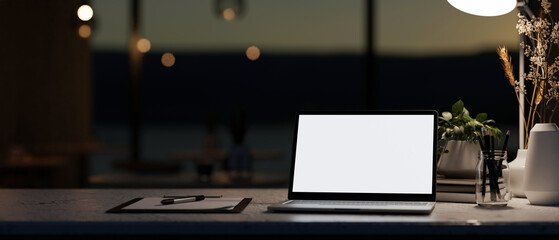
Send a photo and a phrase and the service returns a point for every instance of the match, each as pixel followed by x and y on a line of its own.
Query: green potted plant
pixel 458 147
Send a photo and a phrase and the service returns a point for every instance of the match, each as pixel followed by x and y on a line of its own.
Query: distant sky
pixel 403 27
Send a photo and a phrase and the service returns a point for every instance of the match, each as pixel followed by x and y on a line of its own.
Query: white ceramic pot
pixel 517 167
pixel 541 180
pixel 460 161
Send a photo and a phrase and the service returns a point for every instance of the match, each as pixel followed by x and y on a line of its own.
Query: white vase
pixel 541 180
pixel 460 161
pixel 517 170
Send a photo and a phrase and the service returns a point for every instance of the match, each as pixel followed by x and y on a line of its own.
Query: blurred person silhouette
pixel 211 152
pixel 239 162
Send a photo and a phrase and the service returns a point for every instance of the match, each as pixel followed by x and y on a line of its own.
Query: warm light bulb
pixel 84 31
pixel 486 8
pixel 85 12
pixel 168 59
pixel 253 53
pixel 143 45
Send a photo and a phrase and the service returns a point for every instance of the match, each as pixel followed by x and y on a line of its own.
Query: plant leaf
pixel 481 117
pixel 457 108
pixel 498 134
pixel 466 112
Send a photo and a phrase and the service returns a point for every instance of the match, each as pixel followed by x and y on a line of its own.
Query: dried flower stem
pixel 509 74
pixel 537 96
pixel 507 65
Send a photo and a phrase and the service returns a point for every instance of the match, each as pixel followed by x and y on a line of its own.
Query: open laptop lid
pixel 364 155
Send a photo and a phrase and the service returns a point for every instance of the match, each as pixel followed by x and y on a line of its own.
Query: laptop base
pixel 333 206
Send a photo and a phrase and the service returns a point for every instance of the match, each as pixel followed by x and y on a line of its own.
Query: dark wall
pixel 436 83
pixel 45 87
pixel 274 88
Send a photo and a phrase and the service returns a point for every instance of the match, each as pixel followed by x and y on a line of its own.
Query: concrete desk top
pixel 82 211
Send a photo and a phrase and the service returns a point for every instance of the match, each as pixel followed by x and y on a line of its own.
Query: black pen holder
pixel 492 179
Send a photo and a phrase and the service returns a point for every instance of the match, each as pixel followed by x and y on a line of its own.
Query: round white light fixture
pixel 85 12
pixel 486 8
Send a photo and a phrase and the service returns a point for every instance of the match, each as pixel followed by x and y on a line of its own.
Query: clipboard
pixel 152 205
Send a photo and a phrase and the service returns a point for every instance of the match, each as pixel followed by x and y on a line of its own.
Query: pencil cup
pixel 492 179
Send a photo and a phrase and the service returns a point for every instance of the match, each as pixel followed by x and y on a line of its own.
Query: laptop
pixel 363 161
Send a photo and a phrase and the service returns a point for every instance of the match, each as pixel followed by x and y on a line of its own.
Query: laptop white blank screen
pixel 364 154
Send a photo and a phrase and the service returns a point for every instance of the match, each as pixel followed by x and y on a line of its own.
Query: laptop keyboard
pixel 358 203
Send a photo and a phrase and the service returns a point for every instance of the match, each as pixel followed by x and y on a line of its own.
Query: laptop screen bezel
pixel 365 196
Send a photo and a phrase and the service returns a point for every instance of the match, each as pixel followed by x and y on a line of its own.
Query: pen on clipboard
pixel 182 200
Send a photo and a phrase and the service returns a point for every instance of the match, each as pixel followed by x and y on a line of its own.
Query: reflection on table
pixel 219 179
pixel 195 154
pixel 50 165
pixel 238 161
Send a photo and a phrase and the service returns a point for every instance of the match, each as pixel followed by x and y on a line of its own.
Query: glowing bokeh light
pixel 84 31
pixel 253 53
pixel 85 12
pixel 229 14
pixel 143 45
pixel 168 59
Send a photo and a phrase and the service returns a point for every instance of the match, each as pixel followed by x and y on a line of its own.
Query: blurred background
pixel 203 93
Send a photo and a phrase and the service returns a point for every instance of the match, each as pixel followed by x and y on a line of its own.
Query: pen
pixel 185 196
pixel 480 141
pixel 484 166
pixel 506 140
pixel 182 200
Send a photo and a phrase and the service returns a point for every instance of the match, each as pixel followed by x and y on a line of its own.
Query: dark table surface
pixel 82 212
